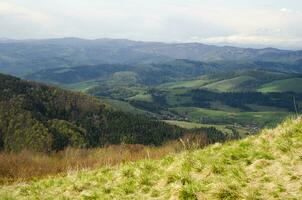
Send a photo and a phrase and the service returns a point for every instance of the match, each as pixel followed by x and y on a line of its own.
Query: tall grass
pixel 30 165
pixel 27 165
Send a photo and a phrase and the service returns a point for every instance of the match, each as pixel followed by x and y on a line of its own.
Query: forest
pixel 42 118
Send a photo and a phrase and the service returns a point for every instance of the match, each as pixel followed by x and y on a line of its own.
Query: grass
pixel 226 128
pixel 82 86
pixel 16 167
pixel 123 106
pixel 142 97
pixel 192 125
pixel 202 115
pixel 228 84
pixel 266 166
pixel 203 80
pixel 184 124
pixel 286 85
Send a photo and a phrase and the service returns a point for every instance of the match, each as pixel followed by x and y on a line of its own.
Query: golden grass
pixel 16 167
pixel 27 165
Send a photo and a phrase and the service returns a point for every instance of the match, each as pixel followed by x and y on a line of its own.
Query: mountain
pixel 266 166
pixel 146 74
pixel 20 57
pixel 155 73
pixel 38 117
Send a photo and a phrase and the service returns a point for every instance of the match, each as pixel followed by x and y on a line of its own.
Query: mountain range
pixel 20 57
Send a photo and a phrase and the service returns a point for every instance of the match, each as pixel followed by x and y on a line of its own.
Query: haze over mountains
pixel 20 57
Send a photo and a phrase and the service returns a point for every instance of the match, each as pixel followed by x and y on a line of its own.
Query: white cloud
pixel 286 10
pixel 254 39
pixel 19 22
pixel 163 20
pixel 8 9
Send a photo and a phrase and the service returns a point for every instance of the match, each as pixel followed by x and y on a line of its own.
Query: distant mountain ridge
pixel 154 73
pixel 21 57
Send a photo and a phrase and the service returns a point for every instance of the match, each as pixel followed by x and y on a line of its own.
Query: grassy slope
pixel 192 125
pixel 201 81
pixel 267 166
pixel 82 86
pixel 223 117
pixel 228 84
pixel 292 84
pixel 123 106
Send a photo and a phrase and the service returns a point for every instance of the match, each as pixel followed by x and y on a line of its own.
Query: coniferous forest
pixel 42 118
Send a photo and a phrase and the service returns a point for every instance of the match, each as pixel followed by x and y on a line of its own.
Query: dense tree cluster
pixel 212 134
pixel 42 118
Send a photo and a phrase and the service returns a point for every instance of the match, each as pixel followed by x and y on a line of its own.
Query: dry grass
pixel 27 165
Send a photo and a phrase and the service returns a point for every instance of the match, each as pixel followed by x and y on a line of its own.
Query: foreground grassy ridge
pixel 267 166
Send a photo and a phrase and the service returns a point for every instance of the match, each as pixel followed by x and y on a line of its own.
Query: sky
pixel 251 23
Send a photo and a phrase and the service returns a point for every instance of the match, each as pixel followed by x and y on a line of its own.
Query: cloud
pixel 286 10
pixel 250 40
pixel 8 9
pixel 18 21
pixel 168 20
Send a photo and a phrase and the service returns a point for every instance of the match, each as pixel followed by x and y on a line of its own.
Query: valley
pixel 244 100
pixel 139 100
pixel 57 120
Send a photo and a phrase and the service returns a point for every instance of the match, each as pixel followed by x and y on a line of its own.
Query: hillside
pixel 266 166
pixel 38 117
pixel 146 74
pixel 286 85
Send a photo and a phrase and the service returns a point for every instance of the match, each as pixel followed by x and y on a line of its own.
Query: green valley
pixel 139 100
pixel 183 90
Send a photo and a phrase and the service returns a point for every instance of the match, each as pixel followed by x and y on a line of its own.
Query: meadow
pixel 266 166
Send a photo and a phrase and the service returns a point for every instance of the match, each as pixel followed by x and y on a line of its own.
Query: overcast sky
pixel 276 23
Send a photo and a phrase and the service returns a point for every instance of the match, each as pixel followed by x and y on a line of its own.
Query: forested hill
pixel 42 118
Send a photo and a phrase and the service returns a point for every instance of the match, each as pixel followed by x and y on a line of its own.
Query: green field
pixel 185 124
pixel 202 115
pixel 286 85
pixel 123 106
pixel 266 166
pixel 82 86
pixel 187 84
pixel 142 97
pixel 228 85
pixel 192 125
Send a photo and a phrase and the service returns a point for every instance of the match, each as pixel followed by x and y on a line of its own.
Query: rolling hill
pixel 145 74
pixel 286 85
pixel 160 89
pixel 21 57
pixel 266 166
pixel 229 85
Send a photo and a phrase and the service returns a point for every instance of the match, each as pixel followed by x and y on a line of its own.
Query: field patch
pixel 228 85
pixel 286 85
